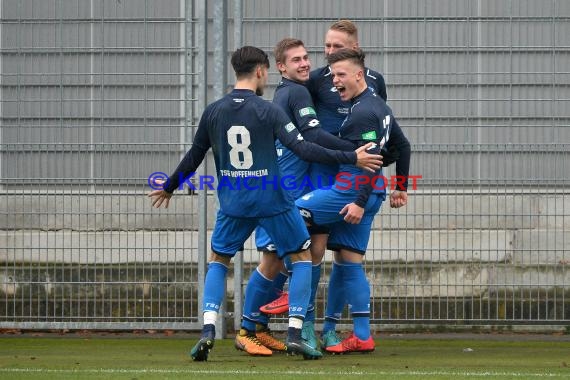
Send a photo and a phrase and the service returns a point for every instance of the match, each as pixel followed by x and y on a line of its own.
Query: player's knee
pixel 216 257
pixel 270 265
pixel 304 255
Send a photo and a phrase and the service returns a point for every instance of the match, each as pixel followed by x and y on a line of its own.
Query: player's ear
pixel 359 74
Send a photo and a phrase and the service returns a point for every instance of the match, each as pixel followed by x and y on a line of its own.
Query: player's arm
pixel 302 107
pixel 290 136
pixel 399 196
pixel 402 145
pixel 188 165
pixel 381 85
pixel 354 211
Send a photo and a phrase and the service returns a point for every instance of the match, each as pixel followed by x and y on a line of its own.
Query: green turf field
pixel 396 357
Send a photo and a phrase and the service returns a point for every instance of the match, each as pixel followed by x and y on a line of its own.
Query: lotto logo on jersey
pixel 307 111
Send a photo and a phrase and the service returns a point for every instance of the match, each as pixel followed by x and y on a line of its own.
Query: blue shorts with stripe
pixel 287 230
pixel 321 208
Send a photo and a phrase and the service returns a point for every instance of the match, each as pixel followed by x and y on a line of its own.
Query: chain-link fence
pixel 98 95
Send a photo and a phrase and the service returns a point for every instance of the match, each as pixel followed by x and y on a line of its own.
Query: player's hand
pixel 159 197
pixel 367 161
pixel 352 213
pixel 398 199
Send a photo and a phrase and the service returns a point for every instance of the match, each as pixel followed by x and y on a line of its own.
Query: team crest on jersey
pixel 307 111
pixel 369 135
pixel 290 127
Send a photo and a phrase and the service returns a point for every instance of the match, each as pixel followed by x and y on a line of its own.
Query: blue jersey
pixel 241 128
pixel 371 120
pixel 296 101
pixel 330 108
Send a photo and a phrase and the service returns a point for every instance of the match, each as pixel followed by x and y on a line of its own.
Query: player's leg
pixel 358 299
pixel 320 209
pixel 255 323
pixel 291 238
pixel 352 241
pixel 318 246
pixel 228 238
pixel 335 303
pixel 277 302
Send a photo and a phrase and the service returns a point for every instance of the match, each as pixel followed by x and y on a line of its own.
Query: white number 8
pixel 245 159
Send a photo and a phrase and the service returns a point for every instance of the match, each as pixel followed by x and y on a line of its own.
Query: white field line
pixel 236 372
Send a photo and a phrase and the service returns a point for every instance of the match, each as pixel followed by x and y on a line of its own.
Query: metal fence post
pixel 202 43
pixel 220 82
pixel 238 260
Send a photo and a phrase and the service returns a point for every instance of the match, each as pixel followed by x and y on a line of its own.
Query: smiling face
pixel 348 79
pixel 296 65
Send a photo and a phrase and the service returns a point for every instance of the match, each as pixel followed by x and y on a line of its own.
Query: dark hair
pixel 355 56
pixel 247 58
pixel 282 46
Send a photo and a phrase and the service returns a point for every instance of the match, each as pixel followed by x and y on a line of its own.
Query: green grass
pixel 163 358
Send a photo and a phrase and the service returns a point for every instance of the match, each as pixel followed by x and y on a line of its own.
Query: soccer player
pixel 241 129
pixel 348 208
pixel 332 111
pixel 292 96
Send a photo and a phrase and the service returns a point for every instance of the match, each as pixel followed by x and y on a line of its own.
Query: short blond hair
pixel 346 26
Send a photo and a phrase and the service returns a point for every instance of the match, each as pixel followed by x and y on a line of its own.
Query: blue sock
pixel 335 298
pixel 256 293
pixel 214 286
pixel 278 285
pixel 299 289
pixel 358 298
pixel 315 278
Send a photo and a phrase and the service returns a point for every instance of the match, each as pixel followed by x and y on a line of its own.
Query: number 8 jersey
pixel 241 129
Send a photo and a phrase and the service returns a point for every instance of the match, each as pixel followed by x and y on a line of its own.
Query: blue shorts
pixel 263 242
pixel 322 175
pixel 287 230
pixel 322 207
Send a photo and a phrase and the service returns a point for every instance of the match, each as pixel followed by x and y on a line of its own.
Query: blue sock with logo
pixel 299 289
pixel 214 286
pixel 358 298
pixel 256 293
